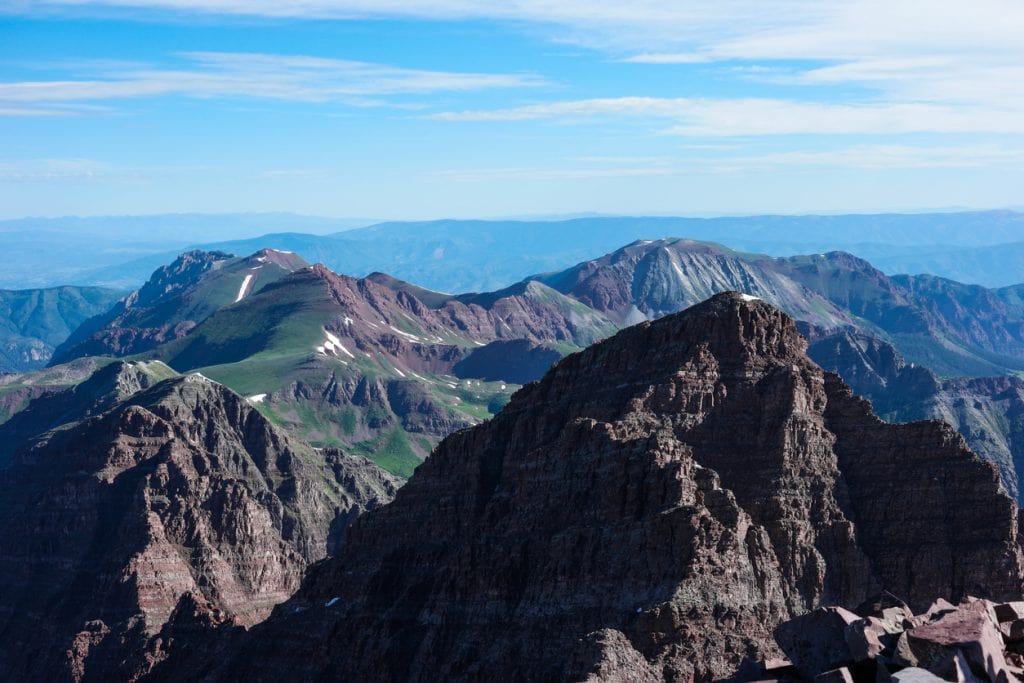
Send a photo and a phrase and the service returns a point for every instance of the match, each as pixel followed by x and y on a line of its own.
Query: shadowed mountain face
pixel 987 411
pixel 51 406
pixel 176 298
pixel 650 510
pixel 33 322
pixel 162 493
pixel 952 328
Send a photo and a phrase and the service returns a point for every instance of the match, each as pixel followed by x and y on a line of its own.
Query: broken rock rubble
pixel 883 640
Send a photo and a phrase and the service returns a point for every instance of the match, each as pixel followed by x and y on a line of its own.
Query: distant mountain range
pixel 385 368
pixel 984 248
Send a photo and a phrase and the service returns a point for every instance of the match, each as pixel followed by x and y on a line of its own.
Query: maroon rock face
pixel 653 508
pixel 179 499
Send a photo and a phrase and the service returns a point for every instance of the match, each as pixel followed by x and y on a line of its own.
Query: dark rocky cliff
pixel 177 494
pixel 651 510
pixel 987 411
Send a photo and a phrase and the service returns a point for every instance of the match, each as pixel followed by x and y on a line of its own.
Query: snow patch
pixel 334 344
pixel 400 373
pixel 750 297
pixel 348 321
pixel 257 398
pixel 479 343
pixel 407 335
pixel 331 602
pixel 244 288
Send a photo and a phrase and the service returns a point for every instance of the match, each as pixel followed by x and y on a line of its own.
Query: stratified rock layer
pixel 179 492
pixel 650 510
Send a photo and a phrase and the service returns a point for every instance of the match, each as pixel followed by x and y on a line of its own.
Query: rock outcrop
pixel 173 498
pixel 977 640
pixel 651 510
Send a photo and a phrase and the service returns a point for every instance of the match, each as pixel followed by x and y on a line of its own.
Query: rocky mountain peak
pixel 742 333
pixel 174 300
pixel 182 273
pixel 288 260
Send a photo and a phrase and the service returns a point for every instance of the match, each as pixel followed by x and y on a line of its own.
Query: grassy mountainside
pixel 367 365
pixel 175 298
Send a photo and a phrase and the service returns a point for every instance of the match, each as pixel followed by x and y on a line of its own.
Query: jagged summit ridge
pixel 652 508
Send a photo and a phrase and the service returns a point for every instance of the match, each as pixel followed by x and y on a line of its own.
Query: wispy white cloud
pixel 859 157
pixel 668 58
pixel 294 78
pixel 877 157
pixel 61 170
pixel 758 117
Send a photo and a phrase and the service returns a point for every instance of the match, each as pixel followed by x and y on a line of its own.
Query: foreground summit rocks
pixel 651 510
pixel 977 640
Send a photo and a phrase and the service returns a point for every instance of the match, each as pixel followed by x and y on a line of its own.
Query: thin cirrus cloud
pixel 866 157
pixel 903 52
pixel 762 116
pixel 293 78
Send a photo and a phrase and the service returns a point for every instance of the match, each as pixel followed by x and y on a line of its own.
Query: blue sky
pixel 455 108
